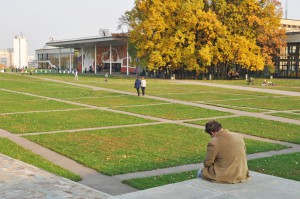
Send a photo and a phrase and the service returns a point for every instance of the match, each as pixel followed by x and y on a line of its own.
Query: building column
pixel 70 66
pixel 110 58
pixel 82 60
pixel 127 70
pixel 95 59
pixel 59 59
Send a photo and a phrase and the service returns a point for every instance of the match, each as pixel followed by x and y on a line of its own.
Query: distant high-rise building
pixel 20 52
pixel 7 57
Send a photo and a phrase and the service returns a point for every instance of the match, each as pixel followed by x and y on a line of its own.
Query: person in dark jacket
pixel 137 85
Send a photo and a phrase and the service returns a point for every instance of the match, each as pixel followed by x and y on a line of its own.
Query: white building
pixel 291 25
pixel 20 52
pixel 7 57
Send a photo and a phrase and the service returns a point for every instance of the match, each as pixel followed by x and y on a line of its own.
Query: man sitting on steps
pixel 226 159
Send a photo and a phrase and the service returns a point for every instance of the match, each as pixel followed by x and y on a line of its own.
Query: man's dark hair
pixel 212 126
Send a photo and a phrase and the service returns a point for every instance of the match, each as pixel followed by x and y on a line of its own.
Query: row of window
pixel 42 57
pixel 287 64
pixel 291 51
pixel 290 26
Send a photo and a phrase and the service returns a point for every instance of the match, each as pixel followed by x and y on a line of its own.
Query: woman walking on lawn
pixel 106 77
pixel 143 85
pixel 76 74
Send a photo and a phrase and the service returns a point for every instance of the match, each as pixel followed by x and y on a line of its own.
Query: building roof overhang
pixel 293 37
pixel 88 42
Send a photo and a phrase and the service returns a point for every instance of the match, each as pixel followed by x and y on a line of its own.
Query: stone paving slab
pixel 260 186
pixel 21 180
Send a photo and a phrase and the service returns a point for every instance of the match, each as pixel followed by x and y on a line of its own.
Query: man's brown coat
pixel 226 159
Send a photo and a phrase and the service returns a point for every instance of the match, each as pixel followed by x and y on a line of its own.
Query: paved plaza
pixel 261 186
pixel 20 180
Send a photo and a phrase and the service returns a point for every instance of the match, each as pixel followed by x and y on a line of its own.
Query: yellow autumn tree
pixel 252 24
pixel 176 33
pixel 206 34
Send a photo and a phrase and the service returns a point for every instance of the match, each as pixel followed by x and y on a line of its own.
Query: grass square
pixel 260 127
pixel 36 104
pixel 67 120
pixel 132 149
pixel 294 115
pixel 270 103
pixel 285 166
pixel 174 111
pixel 116 101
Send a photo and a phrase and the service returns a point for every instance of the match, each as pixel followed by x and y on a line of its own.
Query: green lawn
pixel 123 150
pixel 240 108
pixel 37 104
pixel 156 181
pixel 51 89
pixel 67 120
pixel 261 128
pixel 269 103
pixel 174 111
pixel 237 99
pixel 13 102
pixel 117 151
pixel 295 115
pixel 12 98
pixel 285 166
pixel 157 85
pixel 205 95
pixel 13 150
pixel 280 83
pixel 116 101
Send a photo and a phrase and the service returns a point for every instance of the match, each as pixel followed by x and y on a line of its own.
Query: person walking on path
pixel 76 74
pixel 137 85
pixel 143 85
pixel 106 77
pixel 226 159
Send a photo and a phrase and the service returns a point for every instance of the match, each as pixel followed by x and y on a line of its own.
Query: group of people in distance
pixel 267 83
pixel 140 84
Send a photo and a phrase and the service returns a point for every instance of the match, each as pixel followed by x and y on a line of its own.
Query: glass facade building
pixel 287 65
pixel 51 57
pixel 104 53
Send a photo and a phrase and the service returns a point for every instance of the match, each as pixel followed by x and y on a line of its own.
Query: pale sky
pixel 293 11
pixel 39 20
